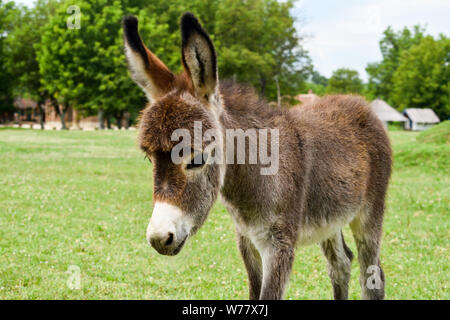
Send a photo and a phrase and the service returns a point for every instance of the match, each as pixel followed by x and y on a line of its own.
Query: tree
pixel 345 81
pixel 85 67
pixel 422 79
pixel 8 12
pixel 256 41
pixel 391 46
pixel 258 44
pixel 319 79
pixel 317 83
pixel 22 61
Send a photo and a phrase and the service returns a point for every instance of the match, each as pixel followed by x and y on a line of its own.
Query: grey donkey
pixel 333 168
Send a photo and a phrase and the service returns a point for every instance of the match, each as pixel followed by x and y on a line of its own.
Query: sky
pixel 345 33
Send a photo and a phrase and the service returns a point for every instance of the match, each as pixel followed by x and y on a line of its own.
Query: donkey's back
pixel 348 161
pixel 349 154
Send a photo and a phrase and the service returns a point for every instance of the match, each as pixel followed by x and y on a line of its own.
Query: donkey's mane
pixel 245 108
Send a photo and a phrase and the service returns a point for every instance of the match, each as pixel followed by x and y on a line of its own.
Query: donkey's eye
pixel 198 161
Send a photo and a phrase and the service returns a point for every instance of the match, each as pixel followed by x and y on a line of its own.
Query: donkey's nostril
pixel 169 239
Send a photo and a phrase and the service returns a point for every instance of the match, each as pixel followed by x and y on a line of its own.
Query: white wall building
pixel 386 113
pixel 420 119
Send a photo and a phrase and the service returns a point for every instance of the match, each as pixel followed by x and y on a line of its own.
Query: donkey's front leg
pixel 252 261
pixel 277 258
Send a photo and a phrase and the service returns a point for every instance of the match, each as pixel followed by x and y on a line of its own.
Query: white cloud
pixel 347 35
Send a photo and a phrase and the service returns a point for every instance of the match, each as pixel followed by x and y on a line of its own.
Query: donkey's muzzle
pixel 167 245
pixel 168 229
pixel 162 243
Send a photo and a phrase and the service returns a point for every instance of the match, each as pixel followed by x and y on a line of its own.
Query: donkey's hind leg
pixel 252 261
pixel 367 229
pixel 339 258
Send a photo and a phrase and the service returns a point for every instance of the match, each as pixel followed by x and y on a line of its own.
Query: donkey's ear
pixel 150 73
pixel 199 56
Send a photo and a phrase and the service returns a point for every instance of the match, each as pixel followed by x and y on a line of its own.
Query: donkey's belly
pixel 311 233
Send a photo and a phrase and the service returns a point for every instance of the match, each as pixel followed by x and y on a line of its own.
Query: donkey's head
pixel 186 180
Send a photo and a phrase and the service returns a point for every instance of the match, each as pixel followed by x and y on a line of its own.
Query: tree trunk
pixel 119 122
pixel 55 105
pixel 278 93
pixel 62 116
pixel 119 119
pixel 41 117
pixel 127 120
pixel 263 85
pixel 101 119
pixel 61 112
pixel 108 121
pixel 41 108
pixel 41 114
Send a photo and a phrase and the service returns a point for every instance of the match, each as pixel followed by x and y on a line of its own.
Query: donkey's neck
pixel 243 109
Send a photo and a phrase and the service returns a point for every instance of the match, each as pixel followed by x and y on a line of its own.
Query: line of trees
pixel 414 73
pixel 43 59
pixel 85 68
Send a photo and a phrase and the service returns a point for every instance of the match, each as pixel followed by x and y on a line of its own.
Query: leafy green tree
pixel 258 44
pixel 85 67
pixel 168 13
pixel 319 79
pixel 345 81
pixel 422 79
pixel 256 41
pixel 391 46
pixel 22 61
pixel 8 13
pixel 317 83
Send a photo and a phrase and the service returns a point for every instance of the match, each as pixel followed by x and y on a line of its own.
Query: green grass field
pixel 84 198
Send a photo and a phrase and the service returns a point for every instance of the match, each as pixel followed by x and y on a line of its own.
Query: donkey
pixel 334 168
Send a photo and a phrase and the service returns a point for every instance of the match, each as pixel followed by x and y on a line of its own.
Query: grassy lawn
pixel 84 199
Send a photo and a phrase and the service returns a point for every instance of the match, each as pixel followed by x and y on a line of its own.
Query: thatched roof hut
pixel 420 119
pixel 386 113
pixel 26 110
pixel 23 104
pixel 306 98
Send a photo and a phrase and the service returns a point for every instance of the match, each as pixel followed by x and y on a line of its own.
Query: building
pixel 26 111
pixel 420 119
pixel 306 98
pixel 72 118
pixel 386 113
pixel 27 114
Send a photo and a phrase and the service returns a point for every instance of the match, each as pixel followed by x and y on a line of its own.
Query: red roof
pixel 22 103
pixel 306 98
